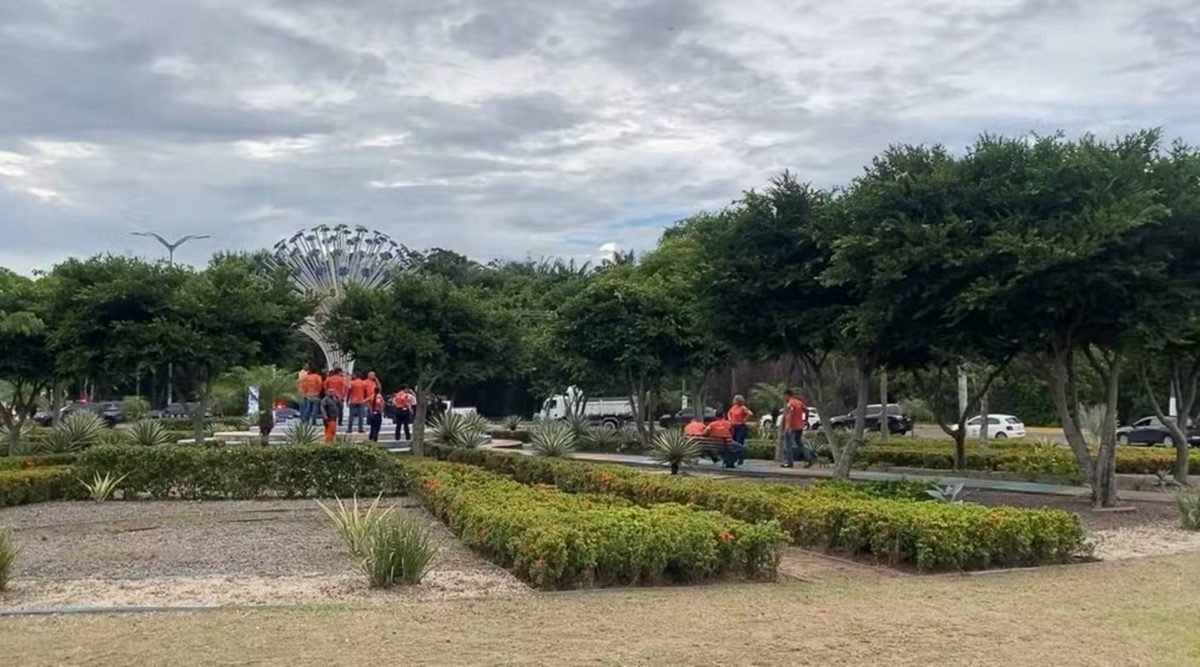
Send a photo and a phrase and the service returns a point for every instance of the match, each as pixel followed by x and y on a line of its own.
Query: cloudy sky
pixel 525 127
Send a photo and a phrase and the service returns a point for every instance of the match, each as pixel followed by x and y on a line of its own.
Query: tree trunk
pixel 674 467
pixel 841 468
pixel 884 421
pixel 418 426
pixel 1104 491
pixel 1184 385
pixel 815 370
pixel 985 428
pixel 1060 380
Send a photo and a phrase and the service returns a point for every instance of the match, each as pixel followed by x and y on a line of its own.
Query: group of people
pixel 731 427
pixel 324 399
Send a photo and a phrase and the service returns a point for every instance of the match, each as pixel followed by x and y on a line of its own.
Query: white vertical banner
pixel 252 400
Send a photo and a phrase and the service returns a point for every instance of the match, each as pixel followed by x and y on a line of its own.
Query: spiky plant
pixel 352 524
pixel 77 431
pixel 344 439
pixel 19 439
pixel 946 493
pixel 604 438
pixel 8 556
pixel 1189 509
pixel 512 422
pixel 578 424
pixel 552 438
pixel 303 434
pixel 114 437
pixel 673 448
pixel 397 550
pixel 148 433
pixel 100 488
pixel 457 430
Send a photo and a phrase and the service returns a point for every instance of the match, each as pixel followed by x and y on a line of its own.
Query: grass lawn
pixel 1133 612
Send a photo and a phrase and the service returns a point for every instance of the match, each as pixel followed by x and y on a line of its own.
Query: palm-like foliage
pixel 675 449
pixel 512 422
pixel 8 556
pixel 274 384
pixel 458 430
pixel 77 431
pixel 552 438
pixel 148 433
pixel 605 438
pixel 303 434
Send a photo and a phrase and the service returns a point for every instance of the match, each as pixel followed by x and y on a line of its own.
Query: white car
pixel 999 427
pixel 814 420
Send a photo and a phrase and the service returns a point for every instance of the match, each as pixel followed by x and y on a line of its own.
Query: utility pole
pixel 171 263
pixel 885 426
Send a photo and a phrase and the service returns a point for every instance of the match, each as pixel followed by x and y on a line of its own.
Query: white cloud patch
pixel 526 127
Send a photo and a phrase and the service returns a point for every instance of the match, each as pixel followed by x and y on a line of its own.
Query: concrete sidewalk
pixel 770 470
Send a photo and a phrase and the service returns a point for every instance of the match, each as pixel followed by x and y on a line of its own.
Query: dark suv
pixel 898 420
pixel 109 412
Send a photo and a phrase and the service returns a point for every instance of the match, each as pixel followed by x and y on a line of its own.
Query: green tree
pixel 620 327
pixel 273 384
pixel 26 365
pixel 427 329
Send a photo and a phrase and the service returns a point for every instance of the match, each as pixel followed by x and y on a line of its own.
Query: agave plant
pixel 101 488
pixel 148 433
pixel 673 448
pixel 303 434
pixel 604 438
pixel 114 437
pixel 512 422
pixel 578 424
pixel 77 431
pixel 8 556
pixel 552 438
pixel 946 493
pixel 19 439
pixel 353 525
pixel 1189 509
pixel 458 430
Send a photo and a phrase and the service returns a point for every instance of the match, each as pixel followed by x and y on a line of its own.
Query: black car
pixel 898 420
pixel 109 412
pixel 1152 431
pixel 177 411
pixel 684 416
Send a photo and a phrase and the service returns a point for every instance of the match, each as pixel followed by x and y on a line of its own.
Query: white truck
pixel 608 411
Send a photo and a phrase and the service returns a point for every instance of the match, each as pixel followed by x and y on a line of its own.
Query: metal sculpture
pixel 324 260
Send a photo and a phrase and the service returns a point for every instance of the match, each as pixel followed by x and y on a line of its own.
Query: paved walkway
pixel 771 470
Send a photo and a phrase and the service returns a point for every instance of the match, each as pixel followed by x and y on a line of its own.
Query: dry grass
pixel 1134 612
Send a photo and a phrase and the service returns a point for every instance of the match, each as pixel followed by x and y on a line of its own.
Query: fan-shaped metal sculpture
pixel 324 260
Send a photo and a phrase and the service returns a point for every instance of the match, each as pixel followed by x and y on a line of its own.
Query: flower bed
pixel 245 471
pixel 559 540
pixel 839 517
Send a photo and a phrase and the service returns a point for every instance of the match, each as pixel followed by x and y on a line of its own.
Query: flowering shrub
pixel 38 484
pixel 559 540
pixel 841 517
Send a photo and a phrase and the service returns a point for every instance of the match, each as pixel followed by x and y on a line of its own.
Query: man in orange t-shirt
pixel 795 416
pixel 357 396
pixel 335 385
pixel 309 387
pixel 722 429
pixel 740 415
pixel 695 428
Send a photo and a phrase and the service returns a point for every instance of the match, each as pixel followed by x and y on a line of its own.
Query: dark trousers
pixel 740 433
pixel 403 420
pixel 375 421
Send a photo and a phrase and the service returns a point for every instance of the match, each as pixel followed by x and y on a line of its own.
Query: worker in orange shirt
pixel 404 402
pixel 795 417
pixel 359 396
pixel 309 388
pixel 695 428
pixel 375 420
pixel 722 429
pixel 335 385
pixel 740 416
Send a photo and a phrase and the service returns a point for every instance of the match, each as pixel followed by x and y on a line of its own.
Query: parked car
pixel 814 419
pixel 109 412
pixel 286 414
pixel 1152 431
pixel 682 417
pixel 898 420
pixel 176 411
pixel 999 427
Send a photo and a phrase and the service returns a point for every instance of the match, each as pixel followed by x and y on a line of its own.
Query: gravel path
pixel 212 553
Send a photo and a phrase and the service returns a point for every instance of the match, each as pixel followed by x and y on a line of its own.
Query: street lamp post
pixel 171 262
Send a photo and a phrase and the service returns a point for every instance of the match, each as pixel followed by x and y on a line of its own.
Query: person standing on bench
pixel 722 429
pixel 739 415
pixel 795 415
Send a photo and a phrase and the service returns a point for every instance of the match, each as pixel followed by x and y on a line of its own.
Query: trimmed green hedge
pixel 840 517
pixel 40 460
pixel 38 485
pixel 559 540
pixel 246 471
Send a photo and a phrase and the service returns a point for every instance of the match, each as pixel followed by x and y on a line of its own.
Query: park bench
pixel 712 448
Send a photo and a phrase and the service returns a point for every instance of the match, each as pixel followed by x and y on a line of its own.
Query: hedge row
pixel 1002 456
pixel 559 540
pixel 19 462
pixel 245 471
pixel 38 485
pixel 843 518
